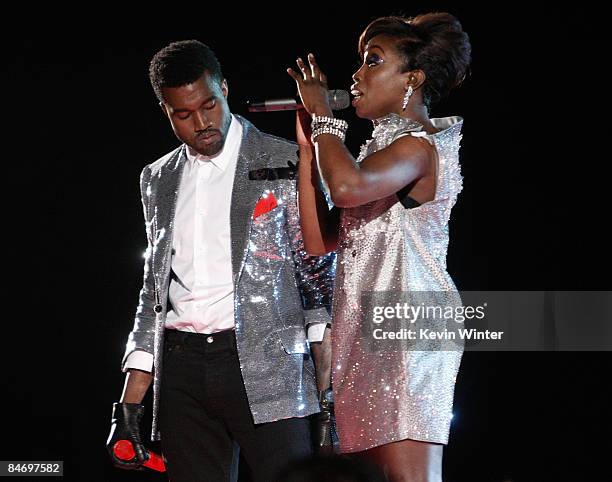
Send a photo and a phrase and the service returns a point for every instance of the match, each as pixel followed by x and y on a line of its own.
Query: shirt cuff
pixel 316 332
pixel 139 360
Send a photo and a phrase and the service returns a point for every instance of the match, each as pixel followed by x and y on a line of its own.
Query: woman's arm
pixel 379 175
pixel 319 225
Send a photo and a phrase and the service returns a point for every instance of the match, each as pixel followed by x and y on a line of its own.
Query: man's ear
pixel 224 88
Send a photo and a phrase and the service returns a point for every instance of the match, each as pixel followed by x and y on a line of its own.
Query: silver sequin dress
pixel 386 396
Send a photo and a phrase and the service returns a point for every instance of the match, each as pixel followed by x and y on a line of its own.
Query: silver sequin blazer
pixel 278 289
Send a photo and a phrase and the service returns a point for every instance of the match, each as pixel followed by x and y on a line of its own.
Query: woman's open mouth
pixel 357 96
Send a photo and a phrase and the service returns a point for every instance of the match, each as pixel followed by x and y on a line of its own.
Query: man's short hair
pixel 182 63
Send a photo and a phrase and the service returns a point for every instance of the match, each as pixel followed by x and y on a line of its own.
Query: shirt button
pixel 209 339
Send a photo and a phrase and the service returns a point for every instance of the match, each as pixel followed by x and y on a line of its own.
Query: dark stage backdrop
pixel 81 121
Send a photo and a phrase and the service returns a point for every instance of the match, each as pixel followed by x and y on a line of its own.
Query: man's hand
pixel 125 425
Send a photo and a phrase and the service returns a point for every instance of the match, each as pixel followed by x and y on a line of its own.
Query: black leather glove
pixel 125 425
pixel 325 437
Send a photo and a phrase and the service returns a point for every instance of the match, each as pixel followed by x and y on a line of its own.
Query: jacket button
pixel 157 308
pixel 210 339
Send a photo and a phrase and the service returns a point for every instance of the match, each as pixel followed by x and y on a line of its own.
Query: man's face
pixel 199 114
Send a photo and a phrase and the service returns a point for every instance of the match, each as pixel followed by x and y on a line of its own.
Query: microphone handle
pixel 274 108
pixel 338 100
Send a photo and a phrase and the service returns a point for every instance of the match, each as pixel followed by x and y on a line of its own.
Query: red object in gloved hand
pixel 124 450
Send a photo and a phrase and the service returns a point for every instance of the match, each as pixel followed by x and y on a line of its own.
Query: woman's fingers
pixel 305 71
pixel 311 83
pixel 314 68
pixel 294 75
pixel 316 71
pixel 323 79
pixel 309 72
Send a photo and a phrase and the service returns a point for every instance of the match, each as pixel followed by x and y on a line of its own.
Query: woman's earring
pixel 407 97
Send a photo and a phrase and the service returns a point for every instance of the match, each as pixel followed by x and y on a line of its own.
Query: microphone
pixel 338 100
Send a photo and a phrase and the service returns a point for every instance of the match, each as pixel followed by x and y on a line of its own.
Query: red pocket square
pixel 265 204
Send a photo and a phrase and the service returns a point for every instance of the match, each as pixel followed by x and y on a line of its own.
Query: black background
pixel 80 121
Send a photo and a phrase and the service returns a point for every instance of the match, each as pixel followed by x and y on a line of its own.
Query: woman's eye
pixel 374 60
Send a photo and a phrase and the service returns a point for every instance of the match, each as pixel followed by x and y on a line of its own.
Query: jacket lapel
pixel 165 206
pixel 245 194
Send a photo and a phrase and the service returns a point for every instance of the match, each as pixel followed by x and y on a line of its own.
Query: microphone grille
pixel 339 99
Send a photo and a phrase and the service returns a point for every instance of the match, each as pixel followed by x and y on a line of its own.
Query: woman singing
pixel 389 227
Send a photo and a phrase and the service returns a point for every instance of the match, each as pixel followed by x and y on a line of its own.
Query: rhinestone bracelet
pixel 328 125
pixel 328 130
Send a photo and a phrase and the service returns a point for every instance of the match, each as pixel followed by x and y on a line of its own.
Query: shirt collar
pixel 222 158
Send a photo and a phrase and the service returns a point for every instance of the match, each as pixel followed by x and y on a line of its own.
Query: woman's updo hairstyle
pixel 434 43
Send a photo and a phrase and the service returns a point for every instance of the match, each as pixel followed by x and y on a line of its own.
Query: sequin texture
pixel 386 396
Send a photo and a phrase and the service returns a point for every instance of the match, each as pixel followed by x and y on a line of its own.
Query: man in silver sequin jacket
pixel 278 290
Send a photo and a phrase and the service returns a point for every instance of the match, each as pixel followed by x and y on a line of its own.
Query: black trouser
pixel 204 413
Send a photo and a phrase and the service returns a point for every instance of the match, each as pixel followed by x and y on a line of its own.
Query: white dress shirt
pixel 201 291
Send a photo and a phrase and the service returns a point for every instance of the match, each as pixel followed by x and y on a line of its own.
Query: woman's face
pixel 380 85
